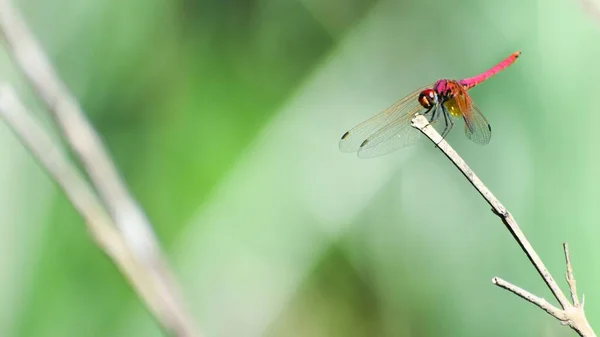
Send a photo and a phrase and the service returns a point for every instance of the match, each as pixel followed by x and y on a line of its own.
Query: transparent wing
pixel 479 130
pixel 396 116
pixel 477 127
pixel 392 137
pixel 396 135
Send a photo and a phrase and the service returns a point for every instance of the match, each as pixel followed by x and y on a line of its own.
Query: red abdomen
pixel 470 82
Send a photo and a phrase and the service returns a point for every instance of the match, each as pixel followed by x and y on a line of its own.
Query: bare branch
pixel 79 134
pixel 591 8
pixel 81 195
pixel 87 145
pixel 569 275
pixel 570 314
pixel 529 297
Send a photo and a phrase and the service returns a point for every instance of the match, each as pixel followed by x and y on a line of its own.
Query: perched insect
pixel 443 100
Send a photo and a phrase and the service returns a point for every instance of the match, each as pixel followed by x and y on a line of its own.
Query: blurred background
pixel 224 117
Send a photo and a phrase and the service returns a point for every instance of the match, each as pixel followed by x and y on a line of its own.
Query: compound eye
pixel 428 98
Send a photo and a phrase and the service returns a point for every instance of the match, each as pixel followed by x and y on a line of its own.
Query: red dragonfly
pixel 391 129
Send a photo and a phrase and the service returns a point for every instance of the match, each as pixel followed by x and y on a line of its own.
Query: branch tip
pixel 569 276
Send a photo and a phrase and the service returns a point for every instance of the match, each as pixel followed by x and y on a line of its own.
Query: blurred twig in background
pixel 572 314
pixel 114 218
pixel 592 8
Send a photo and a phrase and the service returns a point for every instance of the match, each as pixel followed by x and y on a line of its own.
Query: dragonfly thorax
pixel 428 98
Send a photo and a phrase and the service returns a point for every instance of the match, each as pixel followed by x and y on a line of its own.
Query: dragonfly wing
pixel 353 139
pixel 477 127
pixel 392 137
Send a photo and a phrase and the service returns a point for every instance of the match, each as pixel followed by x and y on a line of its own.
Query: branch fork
pixel 571 313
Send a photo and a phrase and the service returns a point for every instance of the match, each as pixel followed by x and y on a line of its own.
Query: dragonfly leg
pixel 449 127
pixel 449 123
pixel 445 127
pixel 429 118
pixel 434 114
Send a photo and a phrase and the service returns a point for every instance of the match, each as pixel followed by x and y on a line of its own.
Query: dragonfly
pixel 444 100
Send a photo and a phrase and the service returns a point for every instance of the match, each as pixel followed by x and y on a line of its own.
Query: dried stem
pixel 122 210
pixel 524 294
pixel 591 8
pixel 571 314
pixel 78 191
pixel 569 276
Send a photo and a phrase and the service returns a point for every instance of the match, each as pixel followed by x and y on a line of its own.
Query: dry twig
pixel 571 314
pixel 592 8
pixel 116 208
pixel 78 191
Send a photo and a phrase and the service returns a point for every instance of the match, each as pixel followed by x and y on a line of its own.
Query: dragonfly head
pixel 428 98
